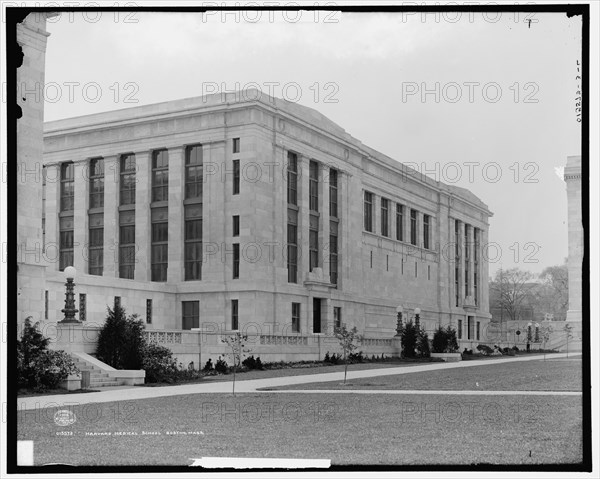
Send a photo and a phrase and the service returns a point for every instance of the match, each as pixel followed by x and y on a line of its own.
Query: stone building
pixel 246 211
pixel 572 177
pixel 31 37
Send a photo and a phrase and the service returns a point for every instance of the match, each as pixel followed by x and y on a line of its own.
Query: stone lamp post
pixel 417 317
pixel 399 311
pixel 69 309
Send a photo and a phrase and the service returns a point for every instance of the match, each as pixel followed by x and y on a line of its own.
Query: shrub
pixel 444 340
pixel 252 363
pixel 423 344
pixel 408 339
pixel 356 357
pixel 484 349
pixel 121 340
pixel 221 366
pixel 159 363
pixel 208 366
pixel 37 367
pixel 515 348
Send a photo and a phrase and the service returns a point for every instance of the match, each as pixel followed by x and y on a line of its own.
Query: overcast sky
pixel 366 72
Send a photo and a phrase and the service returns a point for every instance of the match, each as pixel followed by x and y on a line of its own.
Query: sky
pixel 481 101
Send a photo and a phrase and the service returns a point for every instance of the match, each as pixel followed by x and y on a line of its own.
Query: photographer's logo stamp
pixel 64 417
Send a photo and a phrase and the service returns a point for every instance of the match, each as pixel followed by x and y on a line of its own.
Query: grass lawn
pixel 348 429
pixel 550 375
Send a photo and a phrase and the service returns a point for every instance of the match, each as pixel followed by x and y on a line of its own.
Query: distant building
pixel 250 212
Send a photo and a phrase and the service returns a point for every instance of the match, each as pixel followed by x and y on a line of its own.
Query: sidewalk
pixel 125 393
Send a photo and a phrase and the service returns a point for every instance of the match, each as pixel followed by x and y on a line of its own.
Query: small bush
pixel 356 357
pixel 208 366
pixel 159 364
pixel 221 366
pixel 484 349
pixel 423 349
pixel 252 363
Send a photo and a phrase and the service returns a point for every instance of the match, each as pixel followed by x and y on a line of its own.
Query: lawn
pixel 348 429
pixel 550 375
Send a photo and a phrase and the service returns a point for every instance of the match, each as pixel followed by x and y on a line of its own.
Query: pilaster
pixel 142 215
pixel 111 216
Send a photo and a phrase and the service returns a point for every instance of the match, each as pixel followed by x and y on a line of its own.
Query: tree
pixel 510 289
pixel 546 333
pixel 568 330
pixel 408 339
pixel 121 341
pixel 347 340
pixel 237 345
pixel 553 294
pixel 423 343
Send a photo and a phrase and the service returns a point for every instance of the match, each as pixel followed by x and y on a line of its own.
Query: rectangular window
pixel 236 225
pixel 67 186
pixel 66 242
pixel 477 331
pixel 371 259
pixel 117 302
pixel 191 314
pixel 148 311
pixel 313 242
pixel 387 262
pixel 236 145
pixel 292 177
pixel 160 175
pixel 82 307
pixel 426 219
pixel 333 193
pixel 333 252
pixel 127 174
pixel 459 331
pixel 96 244
pixel 413 227
pixel 234 315
pixel 368 212
pixel 46 304
pixel 416 269
pixel 337 317
pixel 236 177
pixel 126 251
pixel 292 245
pixel 193 242
pixel 313 186
pixel 429 272
pixel 193 172
pixel 399 222
pixel 385 217
pixel 236 260
pixel 96 183
pixel 159 255
pixel 295 317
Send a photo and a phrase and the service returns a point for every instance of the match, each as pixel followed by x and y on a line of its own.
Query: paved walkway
pixel 253 385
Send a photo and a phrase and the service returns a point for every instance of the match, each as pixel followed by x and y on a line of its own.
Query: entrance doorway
pixel 316 315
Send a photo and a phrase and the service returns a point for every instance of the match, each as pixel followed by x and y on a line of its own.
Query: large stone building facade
pixel 242 211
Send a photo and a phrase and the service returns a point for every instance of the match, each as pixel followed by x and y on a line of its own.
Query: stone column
pixel 111 216
pixel 143 192
pixel 484 294
pixel 572 177
pixel 175 270
pixel 461 265
pixel 471 247
pixel 303 219
pixel 51 250
pixel 80 217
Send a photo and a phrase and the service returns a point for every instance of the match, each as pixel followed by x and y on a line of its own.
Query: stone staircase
pixel 98 378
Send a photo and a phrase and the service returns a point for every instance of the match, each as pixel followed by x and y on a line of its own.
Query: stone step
pixel 101 384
